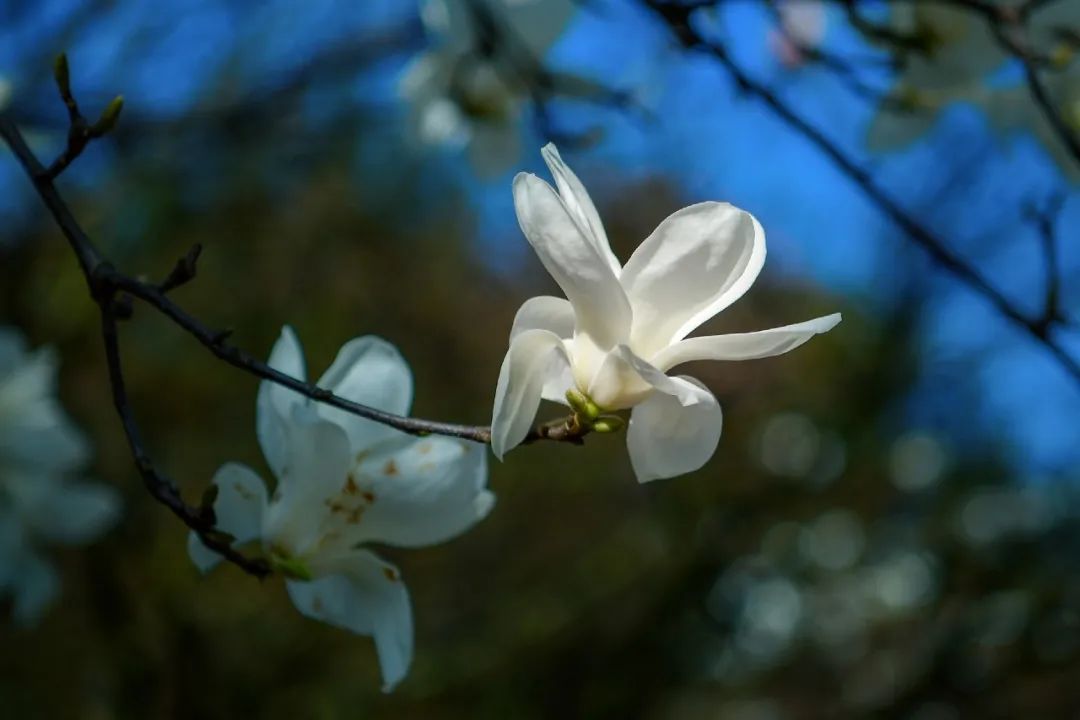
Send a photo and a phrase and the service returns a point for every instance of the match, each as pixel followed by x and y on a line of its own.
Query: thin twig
pixel 159 486
pixel 1045 221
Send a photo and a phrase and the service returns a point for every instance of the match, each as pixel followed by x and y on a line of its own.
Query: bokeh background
pixel 890 525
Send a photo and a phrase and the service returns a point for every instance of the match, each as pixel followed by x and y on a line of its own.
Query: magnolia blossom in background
pixel 963 66
pixel 344 482
pixel 802 25
pixel 468 90
pixel 40 503
pixel 622 328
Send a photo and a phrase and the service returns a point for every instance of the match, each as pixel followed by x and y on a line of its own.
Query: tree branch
pixel 112 291
pixel 677 16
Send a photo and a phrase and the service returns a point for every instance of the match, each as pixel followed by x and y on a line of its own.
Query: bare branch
pixel 1045 221
pixel 113 292
pixel 160 487
pixel 678 19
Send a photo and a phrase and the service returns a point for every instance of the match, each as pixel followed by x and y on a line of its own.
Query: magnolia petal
pixel 35 586
pixel 29 384
pixel 697 262
pixel 667 438
pixel 75 512
pixel 681 391
pixel 364 595
pixel 44 439
pixel 580 205
pixel 239 510
pixel 12 349
pixel 600 305
pixel 744 346
pixel 556 315
pixel 370 371
pixel 544 312
pixel 526 368
pixel 424 493
pixel 494 142
pixel 317 464
pixel 274 404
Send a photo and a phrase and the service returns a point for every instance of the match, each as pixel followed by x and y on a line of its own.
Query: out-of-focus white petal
pixel 43 439
pixel 12 349
pixel 580 205
pixel 526 368
pixel 697 262
pixel 30 382
pixel 35 586
pixel 495 141
pixel 667 438
pixel 366 596
pixel 239 508
pixel 72 512
pixel 424 493
pixel 370 371
pixel 317 464
pixel 273 407
pixel 744 346
pixel 544 312
pixel 600 306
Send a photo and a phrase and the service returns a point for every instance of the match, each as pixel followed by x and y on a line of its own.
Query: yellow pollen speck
pixel 351 488
pixel 390 468
pixel 390 573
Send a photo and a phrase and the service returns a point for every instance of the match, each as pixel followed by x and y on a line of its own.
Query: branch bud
pixel 108 118
pixel 582 405
pixel 62 73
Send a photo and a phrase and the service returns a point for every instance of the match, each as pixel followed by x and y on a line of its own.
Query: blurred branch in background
pixel 679 17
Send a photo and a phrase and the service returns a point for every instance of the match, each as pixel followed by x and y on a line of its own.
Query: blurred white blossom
pixel 40 502
pixel 469 89
pixel 613 341
pixel 801 26
pixel 344 482
pixel 962 65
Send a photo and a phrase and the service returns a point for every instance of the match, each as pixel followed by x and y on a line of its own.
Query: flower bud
pixel 609 424
pixel 108 118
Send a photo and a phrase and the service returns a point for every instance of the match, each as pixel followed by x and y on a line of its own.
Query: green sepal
pixel 290 567
pixel 609 424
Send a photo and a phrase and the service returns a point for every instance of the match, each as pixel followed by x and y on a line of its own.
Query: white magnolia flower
pixel 468 91
pixel 802 25
pixel 344 482
pixel 623 327
pixel 39 502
